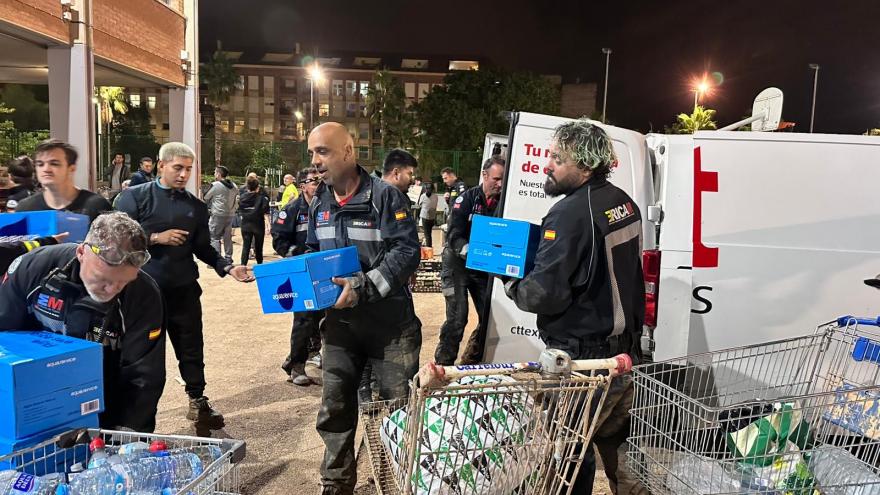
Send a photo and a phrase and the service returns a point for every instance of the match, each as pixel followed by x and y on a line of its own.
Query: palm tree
pixel 111 100
pixel 702 118
pixel 386 108
pixel 219 78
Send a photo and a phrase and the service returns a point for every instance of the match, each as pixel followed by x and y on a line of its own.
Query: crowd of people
pixel 586 286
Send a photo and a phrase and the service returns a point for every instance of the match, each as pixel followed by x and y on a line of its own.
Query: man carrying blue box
pixel 96 291
pixel 587 285
pixel 456 280
pixel 374 319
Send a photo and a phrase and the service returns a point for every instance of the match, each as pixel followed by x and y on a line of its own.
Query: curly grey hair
pixel 116 230
pixel 587 144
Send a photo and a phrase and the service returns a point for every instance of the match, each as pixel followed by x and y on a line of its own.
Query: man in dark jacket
pixel 587 286
pixel 456 281
pixel 289 239
pixel 144 173
pixel 96 291
pixel 177 225
pixel 373 319
pixel 455 187
pixel 117 173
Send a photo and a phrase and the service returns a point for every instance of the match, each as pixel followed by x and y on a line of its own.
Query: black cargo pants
pixel 457 282
pixel 304 338
pixel 350 341
pixel 183 307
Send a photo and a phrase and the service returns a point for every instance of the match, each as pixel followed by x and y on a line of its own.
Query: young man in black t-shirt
pixel 55 162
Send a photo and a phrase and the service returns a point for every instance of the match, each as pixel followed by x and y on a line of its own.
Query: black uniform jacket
pixel 131 327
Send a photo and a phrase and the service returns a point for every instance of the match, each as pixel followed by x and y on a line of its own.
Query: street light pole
pixel 607 52
pixel 311 103
pixel 814 67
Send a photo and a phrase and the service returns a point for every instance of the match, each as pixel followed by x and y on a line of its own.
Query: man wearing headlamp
pixel 96 291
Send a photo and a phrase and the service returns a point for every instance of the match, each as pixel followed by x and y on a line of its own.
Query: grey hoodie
pixel 222 198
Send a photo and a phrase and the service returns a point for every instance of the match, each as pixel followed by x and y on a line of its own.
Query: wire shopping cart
pixel 799 416
pixel 221 477
pixel 499 429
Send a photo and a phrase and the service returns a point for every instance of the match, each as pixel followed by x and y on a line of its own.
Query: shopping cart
pixel 498 429
pixel 799 416
pixel 57 454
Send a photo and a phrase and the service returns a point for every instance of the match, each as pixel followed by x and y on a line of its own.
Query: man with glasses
pixel 96 291
pixel 176 223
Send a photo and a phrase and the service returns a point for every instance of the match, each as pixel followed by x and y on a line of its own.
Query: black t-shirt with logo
pixel 86 203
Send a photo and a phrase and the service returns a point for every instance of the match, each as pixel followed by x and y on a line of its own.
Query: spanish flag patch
pixel 549 235
pixel 155 333
pixel 400 215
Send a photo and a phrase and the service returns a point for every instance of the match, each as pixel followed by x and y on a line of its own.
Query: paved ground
pixel 244 350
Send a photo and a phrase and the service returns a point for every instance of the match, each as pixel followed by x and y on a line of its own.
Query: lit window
pixel 268 85
pixel 424 88
pixel 238 103
pixel 269 106
pixel 299 130
pixel 151 102
pixel 351 89
pixel 254 104
pixel 239 126
pixel 337 89
pixel 253 85
pixel 289 83
pixel 254 123
pixel 410 89
pixel 324 110
pixel 224 125
pixel 365 85
pixel 268 126
pixel 135 100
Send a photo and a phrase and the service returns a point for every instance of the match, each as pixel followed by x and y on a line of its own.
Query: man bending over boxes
pixel 96 291
pixel 373 319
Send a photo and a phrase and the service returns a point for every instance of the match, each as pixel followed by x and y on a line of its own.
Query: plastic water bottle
pixel 207 453
pixel 99 453
pixel 838 472
pixel 148 475
pixel 15 483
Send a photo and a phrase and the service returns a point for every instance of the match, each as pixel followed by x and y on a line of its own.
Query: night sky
pixel 658 47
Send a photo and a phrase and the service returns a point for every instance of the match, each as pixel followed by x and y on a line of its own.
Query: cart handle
pixel 434 375
pixel 845 321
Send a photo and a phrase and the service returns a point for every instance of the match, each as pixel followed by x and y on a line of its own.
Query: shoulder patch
pixel 155 333
pixel 549 235
pixel 282 215
pixel 460 199
pixel 13 265
pixel 400 215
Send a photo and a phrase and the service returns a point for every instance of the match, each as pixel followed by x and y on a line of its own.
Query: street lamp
pixel 315 76
pixel 607 52
pixel 814 67
pixel 700 88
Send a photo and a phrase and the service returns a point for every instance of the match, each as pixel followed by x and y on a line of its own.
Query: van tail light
pixel 651 267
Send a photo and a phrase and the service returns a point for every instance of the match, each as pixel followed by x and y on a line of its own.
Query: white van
pixel 748 236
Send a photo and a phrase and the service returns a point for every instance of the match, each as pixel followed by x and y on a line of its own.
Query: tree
pixel 111 100
pixel 268 162
pixel 701 118
pixel 873 132
pixel 30 104
pixel 458 114
pixel 386 109
pixel 132 134
pixel 219 78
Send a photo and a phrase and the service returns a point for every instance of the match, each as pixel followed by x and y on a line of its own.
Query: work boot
pixel 298 375
pixel 315 361
pixel 204 415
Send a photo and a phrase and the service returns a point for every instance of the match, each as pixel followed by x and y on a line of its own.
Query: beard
pixel 554 187
pixel 97 298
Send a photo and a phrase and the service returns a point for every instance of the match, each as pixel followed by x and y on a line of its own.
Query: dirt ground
pixel 244 350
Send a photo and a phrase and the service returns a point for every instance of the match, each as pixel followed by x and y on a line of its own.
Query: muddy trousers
pixel 349 343
pixel 184 309
pixel 457 282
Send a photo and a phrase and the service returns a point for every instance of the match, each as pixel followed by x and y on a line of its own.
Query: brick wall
pixel 40 16
pixel 145 35
pixel 578 100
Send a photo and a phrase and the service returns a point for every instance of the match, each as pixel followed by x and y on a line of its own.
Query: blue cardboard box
pixel 303 283
pixel 44 459
pixel 30 224
pixel 502 246
pixel 47 380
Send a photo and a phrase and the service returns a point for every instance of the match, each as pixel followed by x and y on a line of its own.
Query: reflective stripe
pixel 326 232
pixel 379 281
pixel 30 245
pixel 449 291
pixel 304 227
pixel 361 234
pixel 612 240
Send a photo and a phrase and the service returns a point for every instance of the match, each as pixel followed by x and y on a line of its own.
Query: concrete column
pixel 184 121
pixel 71 89
pixel 71 111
